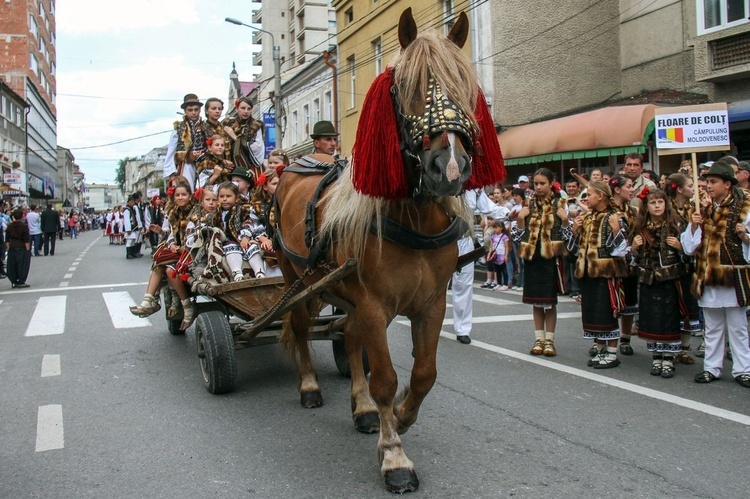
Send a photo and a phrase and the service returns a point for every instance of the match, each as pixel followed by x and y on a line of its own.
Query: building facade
pixel 583 56
pixel 28 66
pixel 103 197
pixel 13 144
pixel 145 172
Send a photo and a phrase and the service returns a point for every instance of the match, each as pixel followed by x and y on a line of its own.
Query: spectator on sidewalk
pixel 34 221
pixel 73 225
pixel 50 225
pixel 18 244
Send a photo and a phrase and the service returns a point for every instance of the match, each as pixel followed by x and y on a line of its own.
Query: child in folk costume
pixel 262 206
pixel 661 263
pixel 214 128
pixel 211 167
pixel 201 213
pixel 679 190
pixel 719 238
pixel 622 194
pixel 278 160
pixel 245 182
pixel 600 240
pixel 247 136
pixel 190 139
pixel 542 229
pixel 243 232
pixel 178 209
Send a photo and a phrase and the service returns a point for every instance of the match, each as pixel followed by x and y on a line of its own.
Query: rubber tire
pixel 174 327
pixel 342 359
pixel 219 366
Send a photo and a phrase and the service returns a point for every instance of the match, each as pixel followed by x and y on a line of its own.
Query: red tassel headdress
pixel 377 166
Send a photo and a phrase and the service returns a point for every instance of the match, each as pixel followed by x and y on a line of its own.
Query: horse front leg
pixel 309 390
pixel 396 467
pixel 364 411
pixel 425 336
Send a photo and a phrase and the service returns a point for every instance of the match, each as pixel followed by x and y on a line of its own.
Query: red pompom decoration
pixel 170 191
pixel 673 185
pixel 643 194
pixel 261 180
pixel 209 141
pixel 198 194
pixel 184 277
pixel 556 187
pixel 236 103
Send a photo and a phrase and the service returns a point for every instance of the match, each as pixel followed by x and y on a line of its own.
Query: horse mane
pixel 433 54
pixel 347 216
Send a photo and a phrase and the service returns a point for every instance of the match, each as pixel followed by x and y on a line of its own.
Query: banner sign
pixel 269 120
pixel 13 178
pixel 699 128
pixel 150 193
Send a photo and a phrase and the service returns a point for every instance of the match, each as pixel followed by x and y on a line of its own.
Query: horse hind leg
pixel 299 321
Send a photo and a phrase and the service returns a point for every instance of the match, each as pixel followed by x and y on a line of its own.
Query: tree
pixel 120 172
pixel 158 183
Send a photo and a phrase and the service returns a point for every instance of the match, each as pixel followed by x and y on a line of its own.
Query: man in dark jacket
pixel 50 226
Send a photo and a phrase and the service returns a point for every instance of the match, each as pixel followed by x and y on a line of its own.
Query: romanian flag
pixel 671 134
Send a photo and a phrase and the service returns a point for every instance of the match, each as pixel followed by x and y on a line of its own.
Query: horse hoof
pixel 311 400
pixel 401 480
pixel 368 422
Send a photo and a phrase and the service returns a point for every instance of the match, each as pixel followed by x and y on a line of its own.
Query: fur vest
pixel 217 130
pixel 594 257
pixel 232 222
pixel 543 224
pixel 721 247
pixel 189 139
pixel 658 261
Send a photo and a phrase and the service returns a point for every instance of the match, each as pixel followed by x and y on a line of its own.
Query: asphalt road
pixel 95 405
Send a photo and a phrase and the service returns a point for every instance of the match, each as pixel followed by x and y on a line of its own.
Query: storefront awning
pixel 610 131
pixel 739 111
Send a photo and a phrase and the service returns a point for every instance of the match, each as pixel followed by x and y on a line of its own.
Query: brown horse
pixel 401 271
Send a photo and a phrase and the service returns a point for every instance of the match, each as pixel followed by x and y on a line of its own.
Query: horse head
pixel 434 104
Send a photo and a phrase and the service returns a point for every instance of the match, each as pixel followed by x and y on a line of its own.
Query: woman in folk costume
pixel 243 230
pixel 719 238
pixel 214 128
pixel 661 264
pixel 622 194
pixel 600 240
pixel 542 229
pixel 679 190
pixel 261 202
pixel 247 136
pixel 179 206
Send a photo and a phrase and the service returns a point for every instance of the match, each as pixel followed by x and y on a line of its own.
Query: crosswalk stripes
pixel 49 428
pixel 49 316
pixel 118 304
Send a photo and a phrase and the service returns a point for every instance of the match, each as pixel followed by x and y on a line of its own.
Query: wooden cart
pixel 238 315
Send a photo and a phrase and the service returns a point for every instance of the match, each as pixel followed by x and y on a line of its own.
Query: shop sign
pixel 13 178
pixel 699 128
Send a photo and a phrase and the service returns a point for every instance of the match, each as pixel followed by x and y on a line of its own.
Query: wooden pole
pixel 696 197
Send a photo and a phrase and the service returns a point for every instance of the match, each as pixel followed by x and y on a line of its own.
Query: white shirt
pixel 34 221
pixel 713 296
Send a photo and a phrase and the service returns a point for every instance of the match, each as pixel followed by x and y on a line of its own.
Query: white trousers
pixel 463 292
pixel 735 320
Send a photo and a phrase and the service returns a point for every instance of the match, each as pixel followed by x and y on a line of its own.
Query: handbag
pixel 741 278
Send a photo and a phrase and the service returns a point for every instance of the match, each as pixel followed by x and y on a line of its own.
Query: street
pixel 99 403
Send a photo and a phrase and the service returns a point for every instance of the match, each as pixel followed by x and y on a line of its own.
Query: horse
pixel 398 210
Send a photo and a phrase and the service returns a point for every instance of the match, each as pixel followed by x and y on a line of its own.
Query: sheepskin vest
pixel 720 245
pixel 594 258
pixel 190 137
pixel 658 261
pixel 217 130
pixel 543 225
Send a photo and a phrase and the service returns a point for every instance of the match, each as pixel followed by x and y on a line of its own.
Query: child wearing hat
pixel 190 141
pixel 243 179
pixel 719 238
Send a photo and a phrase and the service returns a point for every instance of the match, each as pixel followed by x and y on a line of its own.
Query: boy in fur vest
pixel 719 239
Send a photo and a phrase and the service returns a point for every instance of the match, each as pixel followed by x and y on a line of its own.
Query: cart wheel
pixel 174 327
pixel 342 360
pixel 213 337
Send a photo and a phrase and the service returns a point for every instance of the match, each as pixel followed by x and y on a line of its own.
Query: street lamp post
pixel 276 76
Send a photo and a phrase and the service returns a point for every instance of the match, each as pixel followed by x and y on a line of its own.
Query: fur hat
pixel 191 100
pixel 722 170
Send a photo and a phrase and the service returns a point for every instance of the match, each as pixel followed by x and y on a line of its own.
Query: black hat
pixel 242 173
pixel 190 100
pixel 722 170
pixel 323 129
pixel 744 165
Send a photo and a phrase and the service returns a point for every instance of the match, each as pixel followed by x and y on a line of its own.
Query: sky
pixel 124 67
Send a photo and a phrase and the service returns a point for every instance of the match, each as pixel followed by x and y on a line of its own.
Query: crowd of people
pixel 220 184
pixel 27 231
pixel 628 244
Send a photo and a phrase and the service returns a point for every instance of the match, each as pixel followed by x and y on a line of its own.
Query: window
pixel 327 106
pixel 43 80
pixel 3 104
pixel 52 68
pixel 714 15
pixel 316 110
pixel 352 81
pixel 377 49
pixel 33 64
pixel 33 28
pixel 449 17
pixel 306 118
pixel 295 127
pixel 349 16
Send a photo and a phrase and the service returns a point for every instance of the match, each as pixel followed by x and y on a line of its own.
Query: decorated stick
pixel 696 198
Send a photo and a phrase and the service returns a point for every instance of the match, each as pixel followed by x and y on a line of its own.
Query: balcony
pixel 258 16
pixel 258 59
pixel 257 37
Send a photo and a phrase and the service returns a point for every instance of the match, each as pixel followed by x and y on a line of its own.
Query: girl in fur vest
pixel 600 241
pixel 658 255
pixel 541 230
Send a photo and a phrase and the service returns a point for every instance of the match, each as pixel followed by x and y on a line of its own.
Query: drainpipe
pixel 335 96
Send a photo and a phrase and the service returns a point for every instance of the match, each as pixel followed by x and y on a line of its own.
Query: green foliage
pixel 158 183
pixel 120 172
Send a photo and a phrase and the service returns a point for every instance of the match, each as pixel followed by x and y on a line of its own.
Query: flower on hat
pixel 236 102
pixel 262 179
pixel 198 194
pixel 556 187
pixel 643 194
pixel 170 191
pixel 209 141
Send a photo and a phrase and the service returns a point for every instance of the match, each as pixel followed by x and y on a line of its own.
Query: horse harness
pixel 391 230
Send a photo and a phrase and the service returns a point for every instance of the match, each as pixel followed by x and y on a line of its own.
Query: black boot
pixel 129 252
pixel 137 250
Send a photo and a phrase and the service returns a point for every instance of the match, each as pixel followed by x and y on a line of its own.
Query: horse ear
pixel 407 28
pixel 460 31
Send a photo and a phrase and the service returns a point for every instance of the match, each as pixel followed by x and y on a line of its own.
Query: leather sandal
pixel 188 314
pixel 625 348
pixel 594 350
pixel 656 368
pixel 149 306
pixel 705 377
pixel 549 348
pixel 743 379
pixel 667 369
pixel 538 348
pixel 685 358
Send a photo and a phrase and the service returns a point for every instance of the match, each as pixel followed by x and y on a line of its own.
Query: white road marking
pixel 50 366
pixel 64 284
pixel 75 263
pixel 79 259
pixel 488 299
pixel 72 269
pixel 49 317
pixel 73 288
pixel 118 303
pixel 640 390
pixel 504 318
pixel 67 276
pixel 49 428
